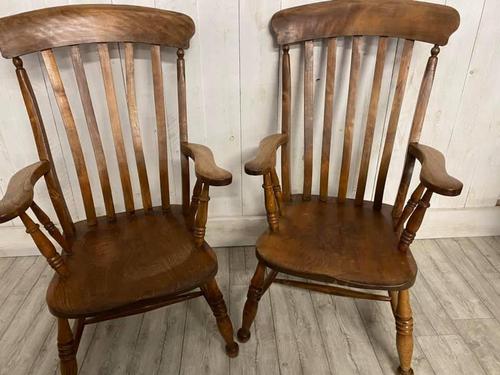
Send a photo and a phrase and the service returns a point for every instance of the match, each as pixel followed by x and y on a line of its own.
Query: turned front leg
pixel 66 347
pixel 215 299
pixel 404 332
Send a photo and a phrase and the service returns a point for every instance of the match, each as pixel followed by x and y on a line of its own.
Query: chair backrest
pixel 72 26
pixel 406 20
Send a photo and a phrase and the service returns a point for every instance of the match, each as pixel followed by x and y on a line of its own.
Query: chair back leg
pixel 215 299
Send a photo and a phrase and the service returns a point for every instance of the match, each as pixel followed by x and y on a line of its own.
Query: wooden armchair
pixel 122 263
pixel 350 242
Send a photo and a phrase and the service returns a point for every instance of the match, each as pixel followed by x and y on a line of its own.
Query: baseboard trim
pixel 244 230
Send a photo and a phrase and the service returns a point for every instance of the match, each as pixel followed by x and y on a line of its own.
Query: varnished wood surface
pixel 344 243
pixel 407 19
pixel 78 24
pixel 265 158
pixel 204 165
pixel 20 190
pixel 137 257
pixel 295 331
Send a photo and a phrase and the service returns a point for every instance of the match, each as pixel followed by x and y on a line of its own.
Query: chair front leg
pixel 258 287
pixel 215 299
pixel 404 332
pixel 66 347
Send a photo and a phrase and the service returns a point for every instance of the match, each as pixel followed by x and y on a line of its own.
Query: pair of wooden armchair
pixel 351 242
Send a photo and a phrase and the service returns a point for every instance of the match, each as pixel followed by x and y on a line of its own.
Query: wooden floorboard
pixel 456 309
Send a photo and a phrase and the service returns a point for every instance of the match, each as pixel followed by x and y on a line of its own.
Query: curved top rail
pixel 79 24
pixel 406 19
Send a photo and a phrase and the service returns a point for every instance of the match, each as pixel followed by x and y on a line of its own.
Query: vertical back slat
pixel 308 117
pixel 350 116
pixel 371 119
pixel 161 124
pixel 393 122
pixel 328 118
pixel 286 109
pixel 116 128
pixel 88 109
pixel 135 127
pixel 416 128
pixel 43 148
pixel 183 135
pixel 71 132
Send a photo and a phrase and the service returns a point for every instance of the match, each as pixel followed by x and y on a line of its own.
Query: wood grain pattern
pixel 20 190
pixel 183 136
pixel 72 133
pixel 135 127
pixel 114 118
pixel 328 117
pixel 161 124
pixel 265 158
pixel 371 119
pixel 308 117
pixel 286 104
pixel 406 19
pixel 79 24
pixel 350 117
pixel 204 165
pixel 397 102
pixel 43 148
pixel 88 109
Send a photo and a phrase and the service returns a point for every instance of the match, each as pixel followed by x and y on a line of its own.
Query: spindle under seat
pixel 135 258
pixel 343 243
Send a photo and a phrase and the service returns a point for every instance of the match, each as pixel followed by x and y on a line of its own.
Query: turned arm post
pixel 44 245
pixel 278 195
pixel 270 201
pixel 200 221
pixel 50 227
pixel 414 221
pixel 195 202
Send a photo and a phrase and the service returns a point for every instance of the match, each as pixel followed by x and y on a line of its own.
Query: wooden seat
pixel 345 243
pixel 340 236
pixel 138 257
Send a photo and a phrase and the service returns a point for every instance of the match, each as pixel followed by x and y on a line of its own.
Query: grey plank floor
pixel 456 303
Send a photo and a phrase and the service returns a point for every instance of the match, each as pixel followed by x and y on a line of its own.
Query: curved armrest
pixel 433 174
pixel 265 160
pixel 19 194
pixel 204 165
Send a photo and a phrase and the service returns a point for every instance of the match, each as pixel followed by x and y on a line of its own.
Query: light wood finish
pixel 350 117
pixel 88 109
pixel 114 119
pixel 20 190
pixel 125 263
pixel 328 117
pixel 353 242
pixel 371 119
pixel 406 19
pixel 134 126
pixel 24 33
pixel 308 117
pixel 358 335
pixel 390 135
pixel 265 159
pixel 286 105
pixel 70 126
pixel 161 124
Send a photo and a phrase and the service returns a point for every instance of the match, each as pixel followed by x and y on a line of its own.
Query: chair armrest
pixel 19 194
pixel 204 165
pixel 433 174
pixel 265 160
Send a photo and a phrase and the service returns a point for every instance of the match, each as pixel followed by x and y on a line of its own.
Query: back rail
pixel 71 132
pixel 397 102
pixel 135 127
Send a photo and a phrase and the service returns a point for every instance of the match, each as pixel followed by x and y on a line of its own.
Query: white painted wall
pixel 232 77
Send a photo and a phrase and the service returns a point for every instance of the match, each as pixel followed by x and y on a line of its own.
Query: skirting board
pixel 243 231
